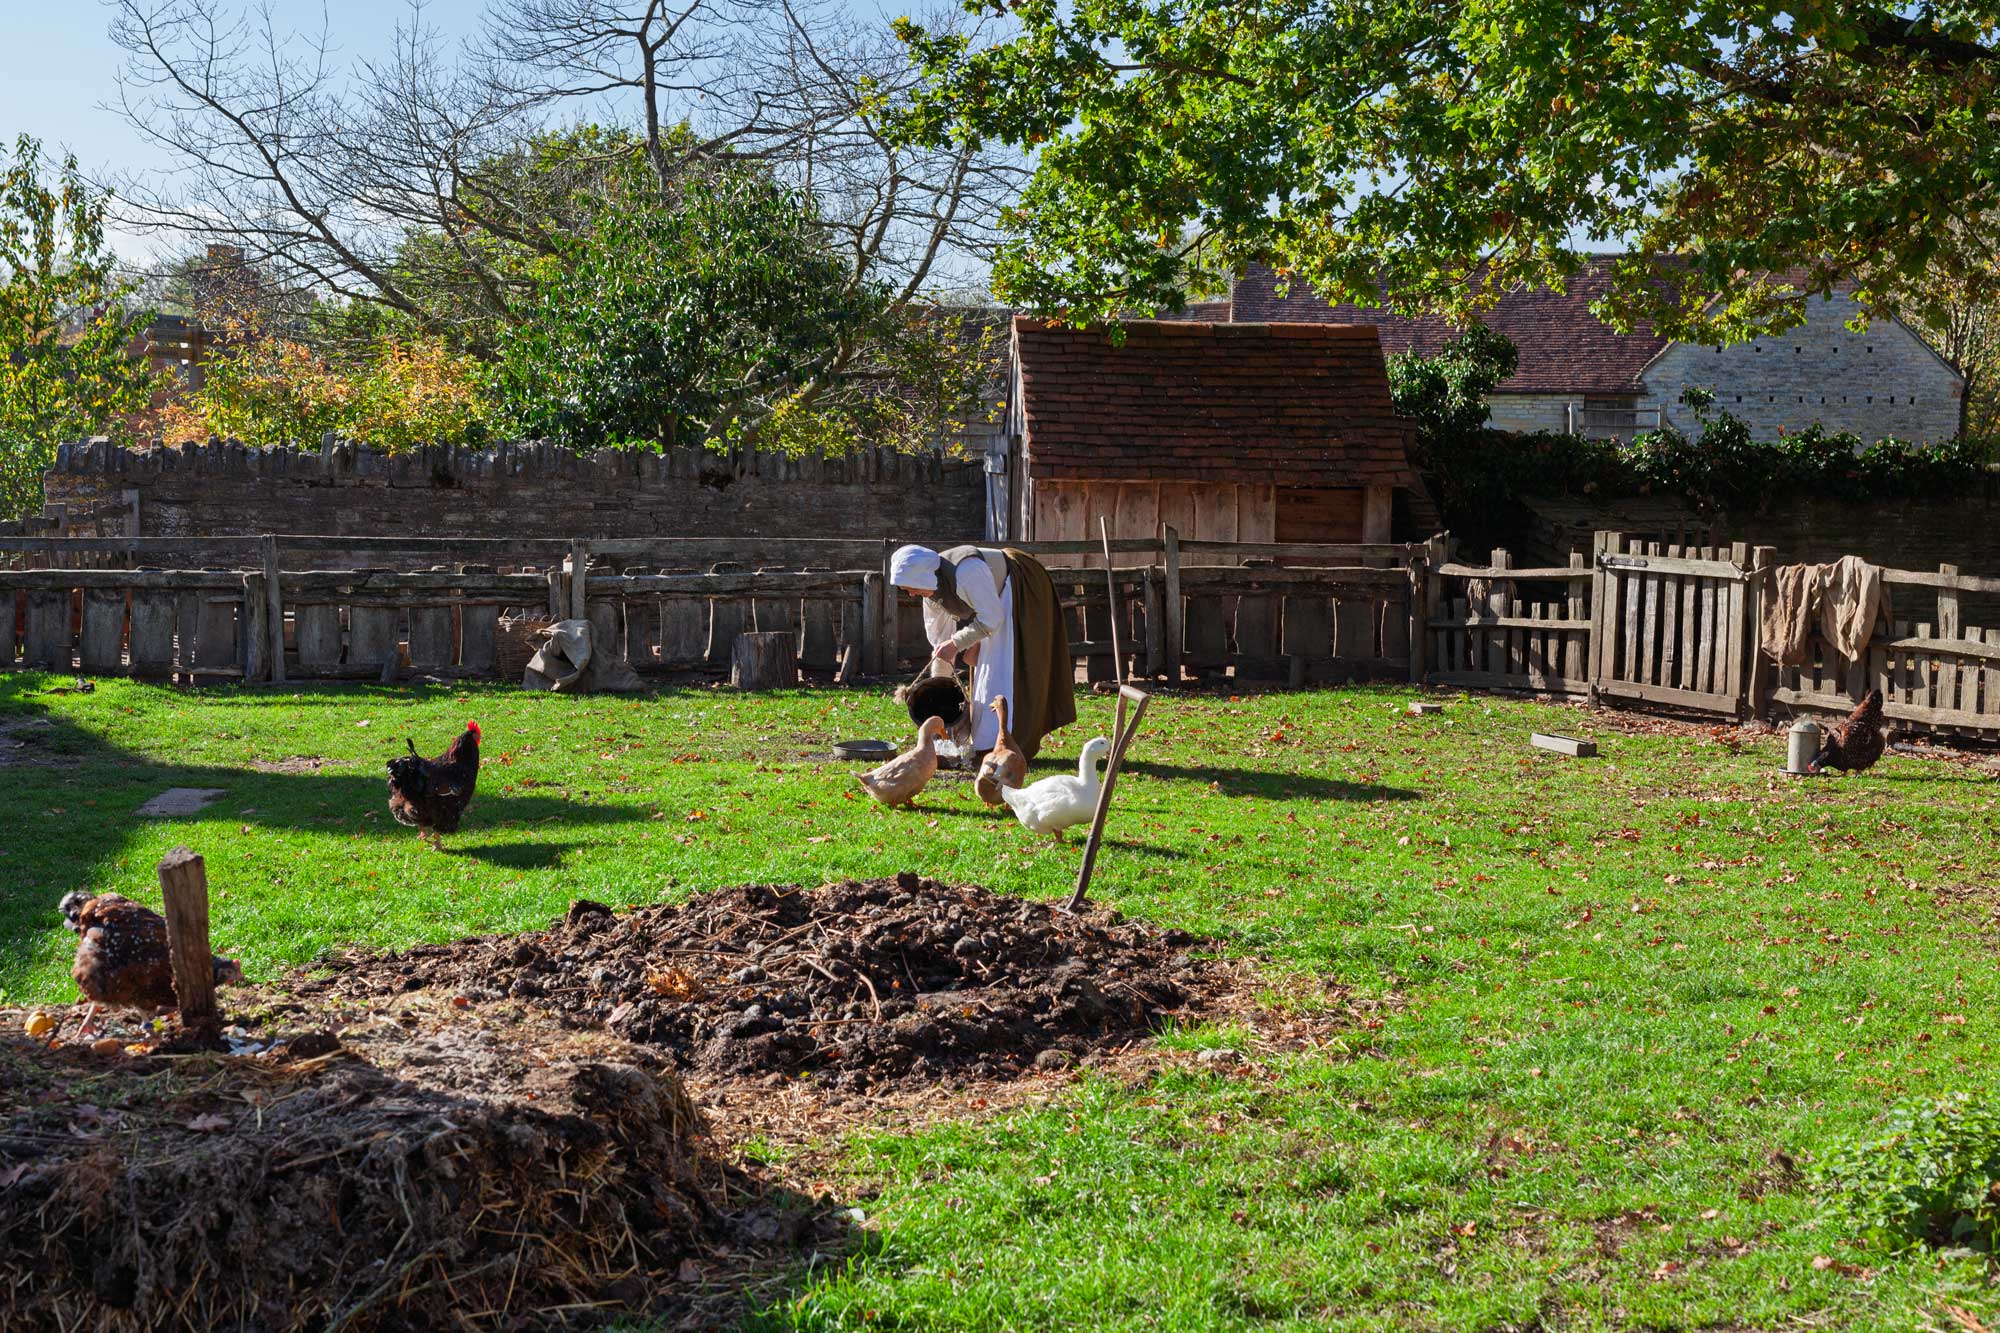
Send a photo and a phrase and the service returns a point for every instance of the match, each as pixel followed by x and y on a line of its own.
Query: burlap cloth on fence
pixel 567 664
pixel 1843 600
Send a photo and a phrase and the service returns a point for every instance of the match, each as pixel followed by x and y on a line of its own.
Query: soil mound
pixel 401 1176
pixel 858 983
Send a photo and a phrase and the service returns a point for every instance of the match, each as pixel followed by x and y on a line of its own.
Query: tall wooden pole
pixel 1121 736
pixel 1111 600
pixel 184 887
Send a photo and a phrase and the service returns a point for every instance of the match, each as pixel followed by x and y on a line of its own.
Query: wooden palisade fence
pixel 1326 612
pixel 1638 622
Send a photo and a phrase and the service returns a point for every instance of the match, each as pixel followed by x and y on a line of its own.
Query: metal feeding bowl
pixel 940 697
pixel 872 751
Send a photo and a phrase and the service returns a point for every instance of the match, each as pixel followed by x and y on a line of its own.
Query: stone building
pixel 1578 374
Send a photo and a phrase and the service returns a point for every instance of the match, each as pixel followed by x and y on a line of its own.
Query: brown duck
pixel 898 781
pixel 1005 765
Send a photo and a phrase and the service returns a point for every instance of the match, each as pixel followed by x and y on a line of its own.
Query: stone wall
pixel 1884 382
pixel 1527 413
pixel 536 490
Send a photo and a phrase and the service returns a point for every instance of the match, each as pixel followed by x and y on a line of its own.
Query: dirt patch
pixel 858 984
pixel 413 1169
pixel 26 744
pixel 296 764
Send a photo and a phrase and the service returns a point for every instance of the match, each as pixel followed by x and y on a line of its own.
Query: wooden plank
pixel 1743 672
pixel 1137 519
pixel 1498 605
pixel 214 631
pixel 1989 674
pixel 1538 648
pixel 101 647
pixel 1296 554
pixel 1951 628
pixel 1707 641
pixel 253 639
pixel 818 647
pixel 1650 626
pixel 1576 646
pixel 1354 629
pixel 1215 513
pixel 1472 680
pixel 1687 633
pixel 607 627
pixel 869 631
pixel 1926 695
pixel 478 631
pixel 1257 517
pixel 1653 561
pixel 776 613
pixel 184 899
pixel 1603 605
pixel 319 638
pixel 1153 595
pixel 1573 746
pixel 1307 633
pixel 579 579
pixel 64 580
pixel 1926 579
pixel 274 606
pixel 1575 572
pixel 1257 643
pixel 371 636
pixel 431 640
pixel 726 619
pixel 1176 605
pixel 1665 694
pixel 152 633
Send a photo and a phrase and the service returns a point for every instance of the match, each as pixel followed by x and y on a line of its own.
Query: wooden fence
pixel 1633 622
pixel 1325 612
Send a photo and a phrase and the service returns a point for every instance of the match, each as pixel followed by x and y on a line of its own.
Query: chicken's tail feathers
pixel 412 744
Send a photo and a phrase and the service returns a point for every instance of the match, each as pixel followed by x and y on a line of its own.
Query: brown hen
pixel 122 958
pixel 431 794
pixel 1856 743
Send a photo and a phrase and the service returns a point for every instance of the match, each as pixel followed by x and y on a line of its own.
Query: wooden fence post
pixel 274 608
pixel 869 632
pixel 1745 621
pixel 579 579
pixel 1176 609
pixel 1948 627
pixel 1156 631
pixel 184 889
pixel 1603 611
pixel 256 633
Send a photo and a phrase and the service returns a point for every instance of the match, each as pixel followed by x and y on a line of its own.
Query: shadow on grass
pixel 1272 786
pixel 516 855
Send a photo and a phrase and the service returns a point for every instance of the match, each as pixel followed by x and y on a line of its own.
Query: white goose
pixel 1058 803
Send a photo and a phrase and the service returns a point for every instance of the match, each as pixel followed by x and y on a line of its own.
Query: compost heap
pixel 410 1171
pixel 859 983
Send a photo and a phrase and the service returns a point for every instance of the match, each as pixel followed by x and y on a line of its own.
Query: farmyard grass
pixel 1634 998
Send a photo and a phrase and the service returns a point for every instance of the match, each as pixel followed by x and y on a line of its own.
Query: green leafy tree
pixel 1442 151
pixel 64 369
pixel 672 322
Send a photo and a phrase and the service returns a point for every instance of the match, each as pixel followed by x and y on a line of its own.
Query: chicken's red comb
pixel 473 727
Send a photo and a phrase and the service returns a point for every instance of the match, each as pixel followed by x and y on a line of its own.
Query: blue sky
pixel 57 63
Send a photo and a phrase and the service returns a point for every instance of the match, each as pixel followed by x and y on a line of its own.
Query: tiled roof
pixel 1564 348
pixel 1261 404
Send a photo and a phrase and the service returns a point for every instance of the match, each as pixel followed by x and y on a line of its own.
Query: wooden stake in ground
pixel 1111 600
pixel 1122 733
pixel 184 887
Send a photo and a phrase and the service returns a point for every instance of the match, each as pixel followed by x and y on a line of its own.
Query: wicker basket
pixel 517 640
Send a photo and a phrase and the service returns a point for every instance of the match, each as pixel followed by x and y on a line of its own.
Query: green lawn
pixel 1629 993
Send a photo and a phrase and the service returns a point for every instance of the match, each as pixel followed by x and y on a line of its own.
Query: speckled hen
pixel 122 958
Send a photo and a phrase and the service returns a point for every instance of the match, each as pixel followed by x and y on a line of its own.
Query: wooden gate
pixel 1672 624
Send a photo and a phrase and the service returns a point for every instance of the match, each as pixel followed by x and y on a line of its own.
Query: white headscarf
pixel 914 567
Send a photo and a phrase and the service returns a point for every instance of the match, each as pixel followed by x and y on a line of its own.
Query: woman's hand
pixel 946 652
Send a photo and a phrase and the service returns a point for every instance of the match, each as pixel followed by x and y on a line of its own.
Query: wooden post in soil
pixel 1111 602
pixel 184 888
pixel 1121 736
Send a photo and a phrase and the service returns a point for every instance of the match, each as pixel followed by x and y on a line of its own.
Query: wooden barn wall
pixel 1070 510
